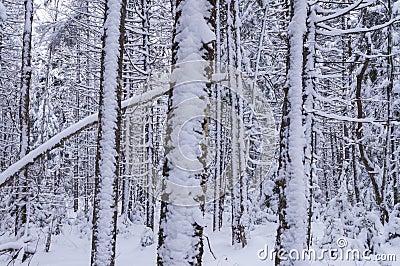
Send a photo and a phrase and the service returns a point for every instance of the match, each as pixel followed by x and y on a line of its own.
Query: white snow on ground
pixel 73 248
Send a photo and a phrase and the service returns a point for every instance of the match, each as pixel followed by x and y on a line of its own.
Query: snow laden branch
pixel 343 11
pixel 71 131
pixel 337 117
pixel 330 31
pixel 19 249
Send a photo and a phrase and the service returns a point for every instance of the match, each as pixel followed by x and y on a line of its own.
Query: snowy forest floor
pixel 69 249
pixel 72 247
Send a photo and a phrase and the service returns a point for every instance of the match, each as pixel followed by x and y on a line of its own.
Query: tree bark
pixel 105 208
pixel 26 74
pixel 291 182
pixel 187 36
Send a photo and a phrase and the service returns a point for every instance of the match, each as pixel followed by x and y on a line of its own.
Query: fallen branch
pixel 209 246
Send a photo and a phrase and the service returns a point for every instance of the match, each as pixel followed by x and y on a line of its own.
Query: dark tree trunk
pixel 26 74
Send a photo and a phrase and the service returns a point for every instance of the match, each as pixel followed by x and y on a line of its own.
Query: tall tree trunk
pixel 309 159
pixel 389 169
pixel 180 235
pixel 76 177
pixel 26 74
pixel 359 134
pixel 291 233
pixel 218 149
pixel 239 177
pixel 105 206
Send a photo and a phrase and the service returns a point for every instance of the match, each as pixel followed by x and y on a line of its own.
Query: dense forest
pixel 199 132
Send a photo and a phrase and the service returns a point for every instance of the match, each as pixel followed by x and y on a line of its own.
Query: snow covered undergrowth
pixel 72 247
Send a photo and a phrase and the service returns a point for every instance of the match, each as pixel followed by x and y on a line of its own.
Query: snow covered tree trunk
pixel 180 235
pixel 291 233
pixel 239 185
pixel 125 188
pixel 220 135
pixel 389 175
pixel 105 206
pixel 148 125
pixel 152 171
pixel 75 178
pixel 218 149
pixel 26 74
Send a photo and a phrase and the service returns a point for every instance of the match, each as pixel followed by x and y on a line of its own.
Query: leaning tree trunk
pixel 181 230
pixel 108 142
pixel 359 135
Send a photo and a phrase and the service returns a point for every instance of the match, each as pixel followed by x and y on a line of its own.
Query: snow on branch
pixel 336 117
pixel 343 11
pixel 330 31
pixel 70 131
pixel 18 248
pixel 15 245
